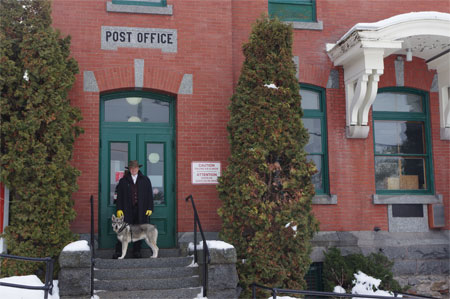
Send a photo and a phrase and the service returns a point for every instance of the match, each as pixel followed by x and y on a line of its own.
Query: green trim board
pixel 317 112
pixel 161 3
pixel 153 145
pixel 421 136
pixel 293 10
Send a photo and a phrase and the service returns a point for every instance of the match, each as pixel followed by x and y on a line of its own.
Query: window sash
pixel 394 138
pixel 293 10
pixel 141 2
pixel 322 186
pixel 407 117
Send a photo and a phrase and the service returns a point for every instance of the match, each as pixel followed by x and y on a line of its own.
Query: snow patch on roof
pixel 407 17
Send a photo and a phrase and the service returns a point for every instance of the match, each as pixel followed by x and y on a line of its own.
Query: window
pixel 314 119
pixel 402 142
pixel 136 107
pixel 293 10
pixel 140 2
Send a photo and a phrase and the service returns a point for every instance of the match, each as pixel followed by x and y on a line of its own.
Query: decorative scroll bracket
pixel 363 65
pixel 360 94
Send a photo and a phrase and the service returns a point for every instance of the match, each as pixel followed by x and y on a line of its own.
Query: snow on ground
pixel 31 280
pixel 367 285
pixel 364 285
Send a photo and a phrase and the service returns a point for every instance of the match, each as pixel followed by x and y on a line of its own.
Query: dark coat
pixel 145 198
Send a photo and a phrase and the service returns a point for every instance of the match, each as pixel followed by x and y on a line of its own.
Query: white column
pixel 442 66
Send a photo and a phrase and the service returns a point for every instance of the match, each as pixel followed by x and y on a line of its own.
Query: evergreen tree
pixel 37 133
pixel 266 189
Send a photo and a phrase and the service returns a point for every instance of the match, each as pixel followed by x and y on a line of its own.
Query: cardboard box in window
pixel 409 182
pixel 404 182
pixel 393 183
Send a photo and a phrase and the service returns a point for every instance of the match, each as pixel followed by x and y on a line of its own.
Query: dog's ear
pixel 113 217
pixel 121 217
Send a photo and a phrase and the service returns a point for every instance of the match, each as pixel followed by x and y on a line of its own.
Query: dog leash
pixel 123 227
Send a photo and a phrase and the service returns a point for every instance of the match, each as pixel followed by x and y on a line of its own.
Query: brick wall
pixel 210 38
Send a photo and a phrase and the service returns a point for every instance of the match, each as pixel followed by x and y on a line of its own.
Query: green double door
pixel 151 142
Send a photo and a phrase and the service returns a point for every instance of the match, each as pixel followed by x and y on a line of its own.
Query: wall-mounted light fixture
pixel 408 54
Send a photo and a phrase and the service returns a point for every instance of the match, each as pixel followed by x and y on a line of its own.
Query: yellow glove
pixel 148 213
pixel 119 213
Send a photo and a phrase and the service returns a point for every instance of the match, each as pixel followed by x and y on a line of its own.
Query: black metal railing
pixel 48 285
pixel 206 256
pixel 92 245
pixel 276 291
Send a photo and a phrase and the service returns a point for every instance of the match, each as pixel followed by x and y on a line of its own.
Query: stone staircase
pixel 168 276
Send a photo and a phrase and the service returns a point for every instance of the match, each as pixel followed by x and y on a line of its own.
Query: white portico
pixel 361 52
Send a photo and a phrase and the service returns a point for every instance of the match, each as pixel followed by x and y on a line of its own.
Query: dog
pixel 127 233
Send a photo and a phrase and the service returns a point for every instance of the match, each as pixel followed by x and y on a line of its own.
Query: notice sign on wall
pixel 204 173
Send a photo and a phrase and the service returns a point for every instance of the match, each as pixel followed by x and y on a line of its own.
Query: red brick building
pixel 154 85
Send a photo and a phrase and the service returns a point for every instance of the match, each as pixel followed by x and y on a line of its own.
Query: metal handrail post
pixel 49 277
pixel 206 255
pixel 92 245
pixel 274 293
pixel 195 240
pixel 205 270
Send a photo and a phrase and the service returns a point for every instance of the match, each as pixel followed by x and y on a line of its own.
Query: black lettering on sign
pixel 146 34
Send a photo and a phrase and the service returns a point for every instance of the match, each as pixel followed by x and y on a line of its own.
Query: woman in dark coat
pixel 134 200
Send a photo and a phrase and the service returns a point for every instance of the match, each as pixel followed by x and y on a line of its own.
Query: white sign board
pixel 204 173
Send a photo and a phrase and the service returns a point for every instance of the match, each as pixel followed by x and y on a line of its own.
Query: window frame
pixel 161 3
pixel 306 3
pixel 319 114
pixel 424 117
pixel 137 93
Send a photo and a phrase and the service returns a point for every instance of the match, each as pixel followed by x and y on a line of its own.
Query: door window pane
pixel 399 137
pixel 118 153
pixel 136 109
pixel 315 135
pixel 400 173
pixel 398 102
pixel 155 170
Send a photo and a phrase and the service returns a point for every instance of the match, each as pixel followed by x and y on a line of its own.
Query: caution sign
pixel 205 173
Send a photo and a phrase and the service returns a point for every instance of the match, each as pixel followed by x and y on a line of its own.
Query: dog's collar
pixel 123 227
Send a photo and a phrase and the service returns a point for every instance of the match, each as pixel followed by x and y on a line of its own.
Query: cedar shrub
pixel 340 270
pixel 266 189
pixel 38 130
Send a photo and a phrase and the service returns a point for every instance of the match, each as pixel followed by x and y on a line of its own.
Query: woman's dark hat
pixel 133 163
